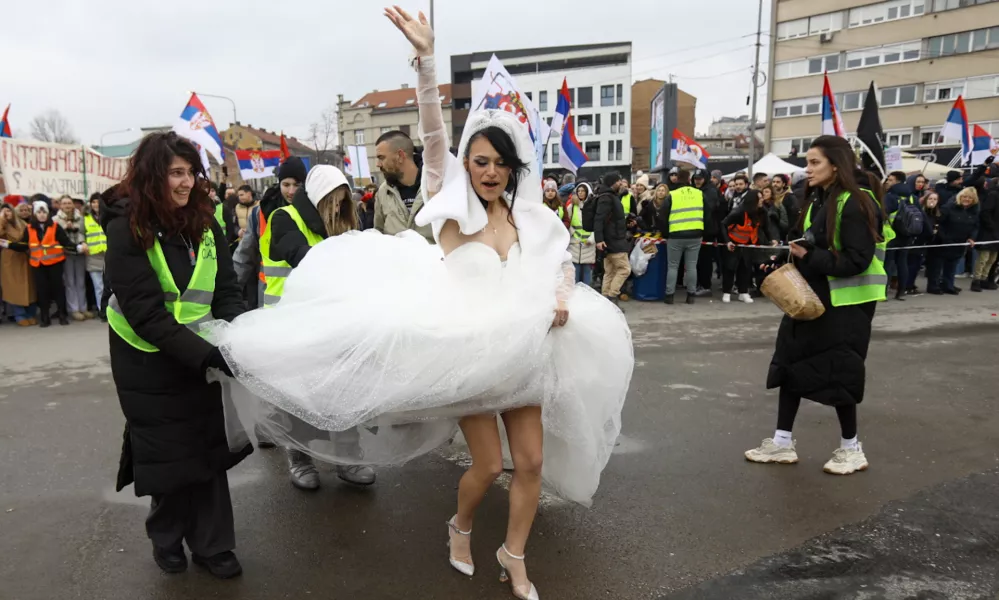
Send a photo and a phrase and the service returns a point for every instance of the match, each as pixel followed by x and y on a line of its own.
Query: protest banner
pixel 31 167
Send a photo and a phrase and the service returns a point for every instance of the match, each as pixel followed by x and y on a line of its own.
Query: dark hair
pixel 753 206
pixel 784 178
pixel 245 188
pixel 503 144
pixel 839 153
pixel 741 177
pixel 610 179
pixel 147 186
pixel 759 176
pixel 95 196
pixel 399 141
pixel 683 177
pixel 898 175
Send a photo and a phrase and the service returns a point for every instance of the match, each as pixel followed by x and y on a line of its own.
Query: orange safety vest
pixel 261 228
pixel 47 252
pixel 744 234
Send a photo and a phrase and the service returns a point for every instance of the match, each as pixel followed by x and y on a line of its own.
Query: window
pixel 572 96
pixel 544 154
pixel 405 129
pixel 619 155
pixel 973 87
pixel 784 146
pixel 791 69
pixel 886 11
pixel 592 151
pixel 543 100
pixel 902 139
pixel 613 122
pixel 930 136
pixel 411 101
pixel 610 149
pixel 530 96
pixel 358 136
pixel 585 96
pixel 555 153
pixel 894 53
pixel 941 5
pixel 962 43
pixel 620 93
pixel 825 23
pixel 898 96
pixel 943 91
pixel 620 122
pixel 382 105
pixel 597 132
pixel 789 30
pixel 797 107
pixel 851 100
pixel 607 95
pixel 385 130
pixel 820 64
pixel 584 125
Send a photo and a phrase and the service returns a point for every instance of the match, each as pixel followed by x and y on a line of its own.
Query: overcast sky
pixel 113 64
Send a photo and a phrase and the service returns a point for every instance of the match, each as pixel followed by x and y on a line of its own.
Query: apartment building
pixel 599 80
pixel 921 54
pixel 361 123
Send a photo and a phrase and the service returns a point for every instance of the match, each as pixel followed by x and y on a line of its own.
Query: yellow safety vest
pixel 191 309
pixel 887 231
pixel 275 272
pixel 869 286
pixel 626 203
pixel 219 216
pixel 578 233
pixel 97 242
pixel 686 210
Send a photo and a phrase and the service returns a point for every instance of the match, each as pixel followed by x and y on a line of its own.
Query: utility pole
pixel 756 87
pixel 431 14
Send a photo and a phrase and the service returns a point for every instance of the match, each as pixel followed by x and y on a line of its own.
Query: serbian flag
pixel 571 155
pixel 688 151
pixel 982 146
pixel 957 127
pixel 285 153
pixel 197 125
pixel 257 164
pixel 832 122
pixel 5 125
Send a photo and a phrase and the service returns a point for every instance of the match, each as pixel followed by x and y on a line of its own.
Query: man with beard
pixel 399 199
pixel 739 189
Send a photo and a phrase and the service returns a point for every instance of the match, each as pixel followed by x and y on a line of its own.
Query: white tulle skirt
pixel 379 345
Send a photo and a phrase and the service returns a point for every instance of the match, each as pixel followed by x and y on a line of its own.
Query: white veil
pixel 543 238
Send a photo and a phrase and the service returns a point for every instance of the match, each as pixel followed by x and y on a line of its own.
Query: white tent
pixel 772 165
pixel 911 164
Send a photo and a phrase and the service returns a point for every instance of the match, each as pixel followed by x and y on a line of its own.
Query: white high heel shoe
pixel 520 591
pixel 462 567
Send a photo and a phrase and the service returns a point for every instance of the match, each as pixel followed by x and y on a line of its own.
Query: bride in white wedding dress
pixel 384 334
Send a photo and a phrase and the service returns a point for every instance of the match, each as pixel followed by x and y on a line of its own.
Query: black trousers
pixel 787 410
pixel 901 260
pixel 200 514
pixel 50 288
pixel 741 275
pixel 706 266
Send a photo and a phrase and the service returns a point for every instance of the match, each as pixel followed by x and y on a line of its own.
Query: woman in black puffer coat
pixel 958 224
pixel 163 241
pixel 824 359
pixel 988 235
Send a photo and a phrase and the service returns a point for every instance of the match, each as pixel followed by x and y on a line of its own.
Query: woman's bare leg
pixel 523 429
pixel 482 435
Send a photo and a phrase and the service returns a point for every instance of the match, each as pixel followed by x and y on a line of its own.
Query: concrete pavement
pixel 679 514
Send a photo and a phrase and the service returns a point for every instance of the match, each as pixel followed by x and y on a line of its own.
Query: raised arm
pixel 433 132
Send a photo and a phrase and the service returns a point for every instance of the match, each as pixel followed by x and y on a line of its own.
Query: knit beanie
pixel 953 176
pixel 38 205
pixel 322 180
pixel 292 168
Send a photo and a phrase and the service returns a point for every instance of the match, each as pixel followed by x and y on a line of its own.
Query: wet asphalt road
pixel 679 514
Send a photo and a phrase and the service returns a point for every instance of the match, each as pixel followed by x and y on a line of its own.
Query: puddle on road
pixel 128 497
pixel 684 386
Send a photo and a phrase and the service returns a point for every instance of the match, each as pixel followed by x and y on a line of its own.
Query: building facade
pixel 599 80
pixel 362 122
pixel 921 54
pixel 729 127
pixel 248 137
pixel 642 93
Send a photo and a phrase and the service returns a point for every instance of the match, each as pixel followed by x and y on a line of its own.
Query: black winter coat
pixel 988 221
pixel 175 432
pixel 714 211
pixel 609 223
pixel 957 226
pixel 823 360
pixel 288 243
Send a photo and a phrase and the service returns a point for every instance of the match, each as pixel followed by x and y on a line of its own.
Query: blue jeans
pixel 22 313
pixel 687 250
pixel 584 274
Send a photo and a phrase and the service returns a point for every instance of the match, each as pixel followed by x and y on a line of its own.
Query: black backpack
pixel 909 218
pixel 590 212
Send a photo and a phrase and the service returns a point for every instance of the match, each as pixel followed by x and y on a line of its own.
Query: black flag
pixel 871 136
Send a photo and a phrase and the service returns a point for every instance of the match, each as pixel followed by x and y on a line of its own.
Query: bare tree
pixel 51 126
pixel 323 136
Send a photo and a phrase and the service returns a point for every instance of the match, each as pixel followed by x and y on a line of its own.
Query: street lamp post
pixel 235 119
pixel 103 135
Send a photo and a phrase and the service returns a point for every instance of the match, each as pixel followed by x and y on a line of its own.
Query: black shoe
pixel 989 285
pixel 935 292
pixel 691 298
pixel 669 299
pixel 223 565
pixel 900 295
pixel 171 561
pixel 976 286
pixel 953 291
pixel 63 321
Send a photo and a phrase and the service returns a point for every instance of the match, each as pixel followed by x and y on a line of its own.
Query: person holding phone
pixel 841 258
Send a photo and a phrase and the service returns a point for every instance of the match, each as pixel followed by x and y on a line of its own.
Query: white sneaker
pixel 726 298
pixel 846 461
pixel 769 452
pixel 745 298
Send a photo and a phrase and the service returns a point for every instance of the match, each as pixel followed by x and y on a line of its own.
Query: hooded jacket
pixel 610 222
pixel 288 243
pixel 988 220
pixel 892 201
pixel 582 252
